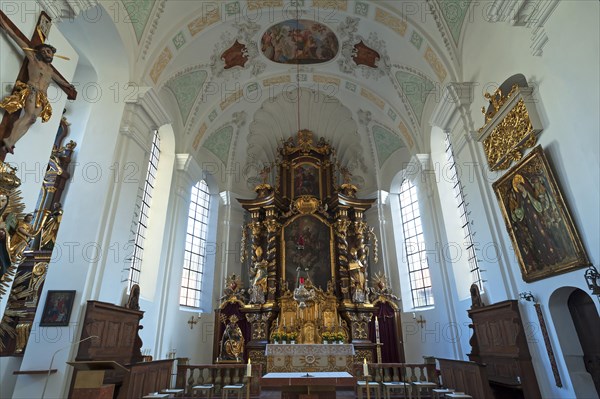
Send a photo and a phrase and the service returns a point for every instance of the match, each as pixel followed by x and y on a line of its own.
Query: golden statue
pixel 259 282
pixel 49 230
pixel 232 343
pixel 357 275
pixel 16 234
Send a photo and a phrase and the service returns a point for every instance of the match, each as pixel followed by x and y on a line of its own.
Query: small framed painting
pixel 57 310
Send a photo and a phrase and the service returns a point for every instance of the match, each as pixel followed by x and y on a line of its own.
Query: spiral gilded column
pixel 341 239
pixel 272 227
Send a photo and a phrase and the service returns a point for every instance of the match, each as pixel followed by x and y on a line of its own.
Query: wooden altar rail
pixel 189 375
pixel 407 372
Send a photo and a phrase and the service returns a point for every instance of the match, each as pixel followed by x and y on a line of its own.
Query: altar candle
pixel 249 369
pixel 377 329
pixel 365 367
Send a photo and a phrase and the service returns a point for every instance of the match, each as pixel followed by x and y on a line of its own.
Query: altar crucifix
pixel 28 100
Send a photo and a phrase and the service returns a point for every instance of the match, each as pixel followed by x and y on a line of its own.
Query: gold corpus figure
pixel 232 343
pixel 31 97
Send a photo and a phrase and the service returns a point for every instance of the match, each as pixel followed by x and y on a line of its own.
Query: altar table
pixel 309 357
pixel 317 385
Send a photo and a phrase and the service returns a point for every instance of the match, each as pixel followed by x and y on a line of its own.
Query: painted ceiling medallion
pixel 236 55
pixel 364 55
pixel 299 42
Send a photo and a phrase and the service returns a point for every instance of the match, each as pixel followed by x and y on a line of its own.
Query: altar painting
pixel 307 245
pixel 306 180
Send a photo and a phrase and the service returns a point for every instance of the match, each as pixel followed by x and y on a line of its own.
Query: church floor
pixel 277 395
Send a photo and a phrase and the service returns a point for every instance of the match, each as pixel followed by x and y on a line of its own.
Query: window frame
pixel 419 274
pixel 135 268
pixel 196 238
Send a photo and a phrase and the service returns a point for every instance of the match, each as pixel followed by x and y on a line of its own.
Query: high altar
pixel 308 256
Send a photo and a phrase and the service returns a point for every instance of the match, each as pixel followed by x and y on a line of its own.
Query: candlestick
pixel 249 368
pixel 376 329
pixel 248 385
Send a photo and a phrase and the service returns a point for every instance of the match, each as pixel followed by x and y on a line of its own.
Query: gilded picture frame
pixel 544 238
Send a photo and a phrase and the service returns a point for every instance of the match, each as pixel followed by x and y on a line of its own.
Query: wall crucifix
pixel 28 100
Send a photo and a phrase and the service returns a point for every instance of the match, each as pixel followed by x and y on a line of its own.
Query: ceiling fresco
pixel 219 58
pixel 299 42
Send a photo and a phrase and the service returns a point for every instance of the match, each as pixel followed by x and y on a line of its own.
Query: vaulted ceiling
pixel 364 77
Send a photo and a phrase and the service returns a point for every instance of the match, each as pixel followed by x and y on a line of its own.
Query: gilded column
pixel 341 233
pixel 272 227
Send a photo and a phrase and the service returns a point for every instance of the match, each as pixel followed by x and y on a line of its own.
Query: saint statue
pixel 357 276
pixel 232 342
pixel 259 282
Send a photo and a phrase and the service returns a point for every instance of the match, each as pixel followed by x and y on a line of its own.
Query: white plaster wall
pixel 566 98
pixel 81 266
pixel 32 151
pixel 567 84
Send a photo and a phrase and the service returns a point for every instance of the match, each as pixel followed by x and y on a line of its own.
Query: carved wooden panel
pixel 116 328
pixel 500 342
pixel 144 378
pixel 468 377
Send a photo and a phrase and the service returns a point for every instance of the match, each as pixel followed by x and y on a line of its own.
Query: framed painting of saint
pixel 307 244
pixel 306 180
pixel 57 310
pixel 542 232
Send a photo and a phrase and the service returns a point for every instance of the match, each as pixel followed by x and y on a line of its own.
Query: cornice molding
pixel 531 14
pixel 66 9
pixel 149 101
pixel 456 101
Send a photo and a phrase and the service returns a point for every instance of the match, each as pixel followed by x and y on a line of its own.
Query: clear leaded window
pixel 414 243
pixel 468 244
pixel 142 225
pixel 195 246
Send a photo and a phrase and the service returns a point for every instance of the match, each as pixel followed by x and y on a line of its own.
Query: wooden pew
pixel 468 377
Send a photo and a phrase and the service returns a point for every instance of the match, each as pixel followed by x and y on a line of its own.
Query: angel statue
pixel 15 235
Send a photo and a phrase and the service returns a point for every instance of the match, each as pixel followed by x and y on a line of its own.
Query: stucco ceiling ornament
pixel 351 44
pixel 248 51
pixel 364 117
pixel 239 118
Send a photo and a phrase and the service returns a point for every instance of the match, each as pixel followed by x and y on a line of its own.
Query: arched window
pixel 468 244
pixel 195 246
pixel 146 200
pixel 414 245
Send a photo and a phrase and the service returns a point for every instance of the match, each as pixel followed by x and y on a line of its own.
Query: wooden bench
pixel 468 377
